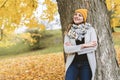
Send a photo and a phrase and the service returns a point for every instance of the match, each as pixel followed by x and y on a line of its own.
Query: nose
pixel 77 15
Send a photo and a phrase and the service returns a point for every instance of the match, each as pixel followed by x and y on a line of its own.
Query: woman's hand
pixel 91 44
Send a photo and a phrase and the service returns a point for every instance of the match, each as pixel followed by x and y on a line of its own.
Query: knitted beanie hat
pixel 83 12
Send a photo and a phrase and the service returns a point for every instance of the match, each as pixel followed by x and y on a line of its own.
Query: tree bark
pixel 107 68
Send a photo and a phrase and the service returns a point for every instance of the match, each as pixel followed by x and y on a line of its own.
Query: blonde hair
pixel 67 29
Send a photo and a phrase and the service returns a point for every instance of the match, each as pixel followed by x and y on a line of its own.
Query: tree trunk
pixel 1 34
pixel 113 29
pixel 107 68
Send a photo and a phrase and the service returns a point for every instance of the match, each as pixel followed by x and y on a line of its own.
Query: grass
pixel 19 63
pixel 117 29
pixel 51 42
pixel 116 40
pixel 116 36
pixel 15 49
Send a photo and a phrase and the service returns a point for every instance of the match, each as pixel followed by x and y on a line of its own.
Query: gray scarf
pixel 78 31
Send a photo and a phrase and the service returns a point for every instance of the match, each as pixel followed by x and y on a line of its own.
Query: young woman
pixel 80 43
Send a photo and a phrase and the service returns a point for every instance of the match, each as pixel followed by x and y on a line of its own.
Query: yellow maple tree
pixel 114 11
pixel 51 9
pixel 11 11
pixel 12 14
pixel 16 12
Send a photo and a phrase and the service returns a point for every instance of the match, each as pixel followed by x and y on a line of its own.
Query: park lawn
pixel 116 40
pixel 117 49
pixel 51 42
pixel 117 29
pixel 46 63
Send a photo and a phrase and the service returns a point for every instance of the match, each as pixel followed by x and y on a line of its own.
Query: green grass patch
pixel 117 29
pixel 15 49
pixel 116 38
pixel 51 42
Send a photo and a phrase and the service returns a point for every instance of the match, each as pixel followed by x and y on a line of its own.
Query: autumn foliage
pixel 37 67
pixel 16 14
pixel 114 12
pixel 12 11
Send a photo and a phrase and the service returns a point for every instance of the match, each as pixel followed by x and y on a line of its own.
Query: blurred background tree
pixel 15 14
pixel 114 12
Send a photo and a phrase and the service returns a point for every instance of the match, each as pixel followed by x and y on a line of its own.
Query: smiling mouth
pixel 77 19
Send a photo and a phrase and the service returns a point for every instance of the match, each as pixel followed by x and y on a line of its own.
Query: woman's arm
pixel 68 48
pixel 92 46
pixel 82 48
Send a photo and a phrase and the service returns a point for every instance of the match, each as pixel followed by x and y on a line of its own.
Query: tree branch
pixel 33 3
pixel 3 3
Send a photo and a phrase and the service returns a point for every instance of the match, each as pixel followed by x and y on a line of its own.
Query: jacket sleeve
pixel 93 37
pixel 77 48
pixel 72 48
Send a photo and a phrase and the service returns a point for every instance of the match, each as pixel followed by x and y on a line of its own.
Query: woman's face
pixel 77 18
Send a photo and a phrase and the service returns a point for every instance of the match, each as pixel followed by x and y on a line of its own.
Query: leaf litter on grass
pixel 33 67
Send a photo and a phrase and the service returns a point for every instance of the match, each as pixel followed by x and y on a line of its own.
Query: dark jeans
pixel 79 70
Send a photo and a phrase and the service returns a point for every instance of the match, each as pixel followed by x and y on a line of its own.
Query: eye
pixel 80 15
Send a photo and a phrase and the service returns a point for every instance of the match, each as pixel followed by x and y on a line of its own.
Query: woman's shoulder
pixel 90 26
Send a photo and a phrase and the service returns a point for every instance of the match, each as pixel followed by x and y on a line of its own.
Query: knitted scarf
pixel 78 31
